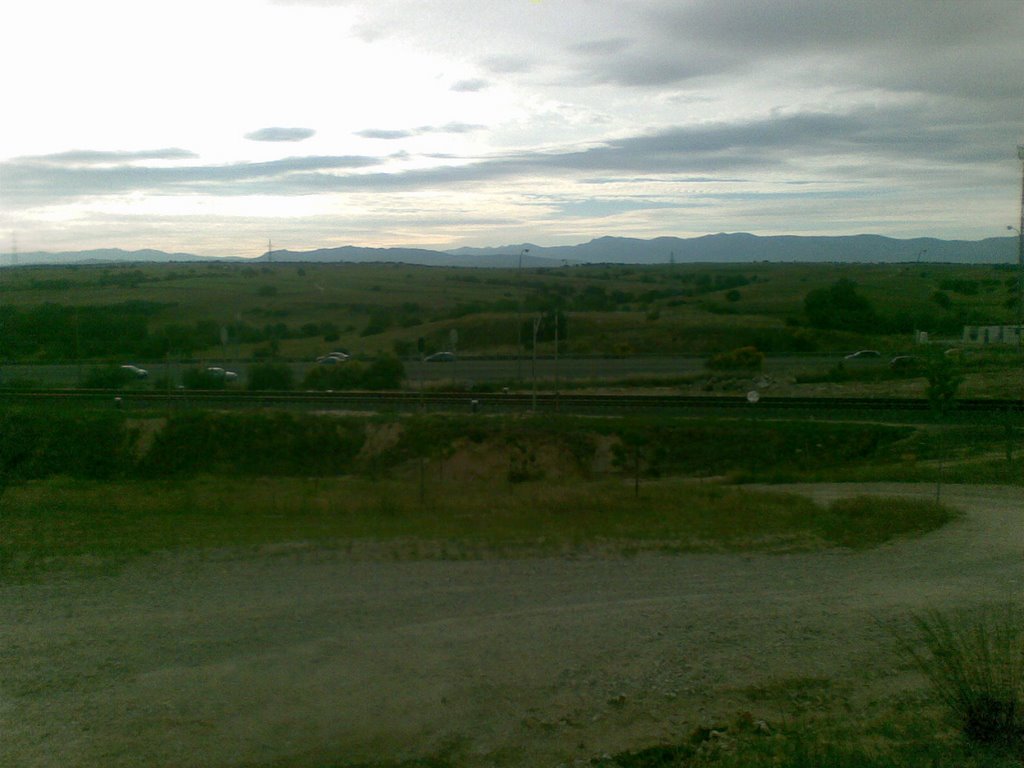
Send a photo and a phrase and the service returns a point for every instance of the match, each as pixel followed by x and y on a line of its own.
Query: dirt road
pixel 306 657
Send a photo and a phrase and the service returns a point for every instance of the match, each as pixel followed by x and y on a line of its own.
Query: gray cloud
pixel 388 134
pixel 503 64
pixel 868 145
pixel 900 46
pixel 471 85
pixel 796 25
pixel 47 179
pixel 655 69
pixel 281 134
pixel 381 133
pixel 453 128
pixel 604 207
pixel 604 47
pixel 95 157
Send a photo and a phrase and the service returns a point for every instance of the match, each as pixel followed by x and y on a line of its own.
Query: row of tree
pixel 58 332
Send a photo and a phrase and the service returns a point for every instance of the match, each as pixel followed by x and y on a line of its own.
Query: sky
pixel 215 126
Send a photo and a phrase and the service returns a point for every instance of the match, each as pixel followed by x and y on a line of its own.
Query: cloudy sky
pixel 212 126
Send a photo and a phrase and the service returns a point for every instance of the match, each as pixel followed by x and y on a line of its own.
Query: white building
pixel 991 334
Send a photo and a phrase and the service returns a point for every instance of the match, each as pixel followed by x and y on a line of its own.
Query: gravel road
pixel 309 657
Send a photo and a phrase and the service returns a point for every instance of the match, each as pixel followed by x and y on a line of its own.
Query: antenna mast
pixel 270 252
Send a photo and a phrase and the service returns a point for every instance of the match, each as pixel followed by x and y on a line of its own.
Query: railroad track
pixel 490 401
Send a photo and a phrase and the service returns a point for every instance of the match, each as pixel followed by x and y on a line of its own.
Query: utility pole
pixel 533 368
pixel 1020 256
pixel 557 383
pixel 519 316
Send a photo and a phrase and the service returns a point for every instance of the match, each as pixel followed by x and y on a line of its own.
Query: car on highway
pixel 441 357
pixel 904 363
pixel 332 358
pixel 221 373
pixel 864 354
pixel 135 371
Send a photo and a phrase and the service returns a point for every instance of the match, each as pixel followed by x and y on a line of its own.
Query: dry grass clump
pixel 975 664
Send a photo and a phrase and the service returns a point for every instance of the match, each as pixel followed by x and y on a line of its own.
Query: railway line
pixel 410 401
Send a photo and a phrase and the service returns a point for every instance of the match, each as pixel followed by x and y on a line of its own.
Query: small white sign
pixel 752 396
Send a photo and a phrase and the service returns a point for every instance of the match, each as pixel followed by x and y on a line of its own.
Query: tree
pixel 944 379
pixel 840 307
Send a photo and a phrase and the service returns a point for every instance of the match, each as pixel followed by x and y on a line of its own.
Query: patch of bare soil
pixel 308 657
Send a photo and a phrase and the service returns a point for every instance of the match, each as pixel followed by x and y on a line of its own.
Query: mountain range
pixel 719 248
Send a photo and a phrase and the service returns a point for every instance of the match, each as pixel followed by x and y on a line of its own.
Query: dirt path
pixel 308 658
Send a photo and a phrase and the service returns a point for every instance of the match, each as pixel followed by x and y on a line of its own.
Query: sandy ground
pixel 307 657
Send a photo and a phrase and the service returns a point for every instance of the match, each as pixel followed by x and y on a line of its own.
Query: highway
pixel 468 370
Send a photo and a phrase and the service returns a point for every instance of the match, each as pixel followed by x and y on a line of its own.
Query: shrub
pixel 863 521
pixel 840 307
pixel 385 372
pixel 201 378
pixel 271 443
pixel 347 375
pixel 97 446
pixel 975 664
pixel 273 376
pixel 107 377
pixel 743 358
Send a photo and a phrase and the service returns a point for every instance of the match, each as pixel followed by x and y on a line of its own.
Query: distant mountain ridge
pixel 718 248
pixel 742 247
pixel 101 256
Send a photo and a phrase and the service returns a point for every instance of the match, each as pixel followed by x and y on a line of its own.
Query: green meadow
pixel 298 310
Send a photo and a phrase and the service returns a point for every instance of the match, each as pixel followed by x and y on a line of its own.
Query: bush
pixel 108 377
pixel 863 521
pixel 976 667
pixel 95 446
pixel 201 378
pixel 272 443
pixel 272 376
pixel 384 373
pixel 347 375
pixel 840 307
pixel 743 358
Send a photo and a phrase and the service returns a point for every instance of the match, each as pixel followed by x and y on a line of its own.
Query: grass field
pixel 607 309
pixel 60 522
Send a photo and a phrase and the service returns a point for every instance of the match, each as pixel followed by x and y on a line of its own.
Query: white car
pixel 134 370
pixel 221 373
pixel 332 359
pixel 441 357
pixel 863 354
